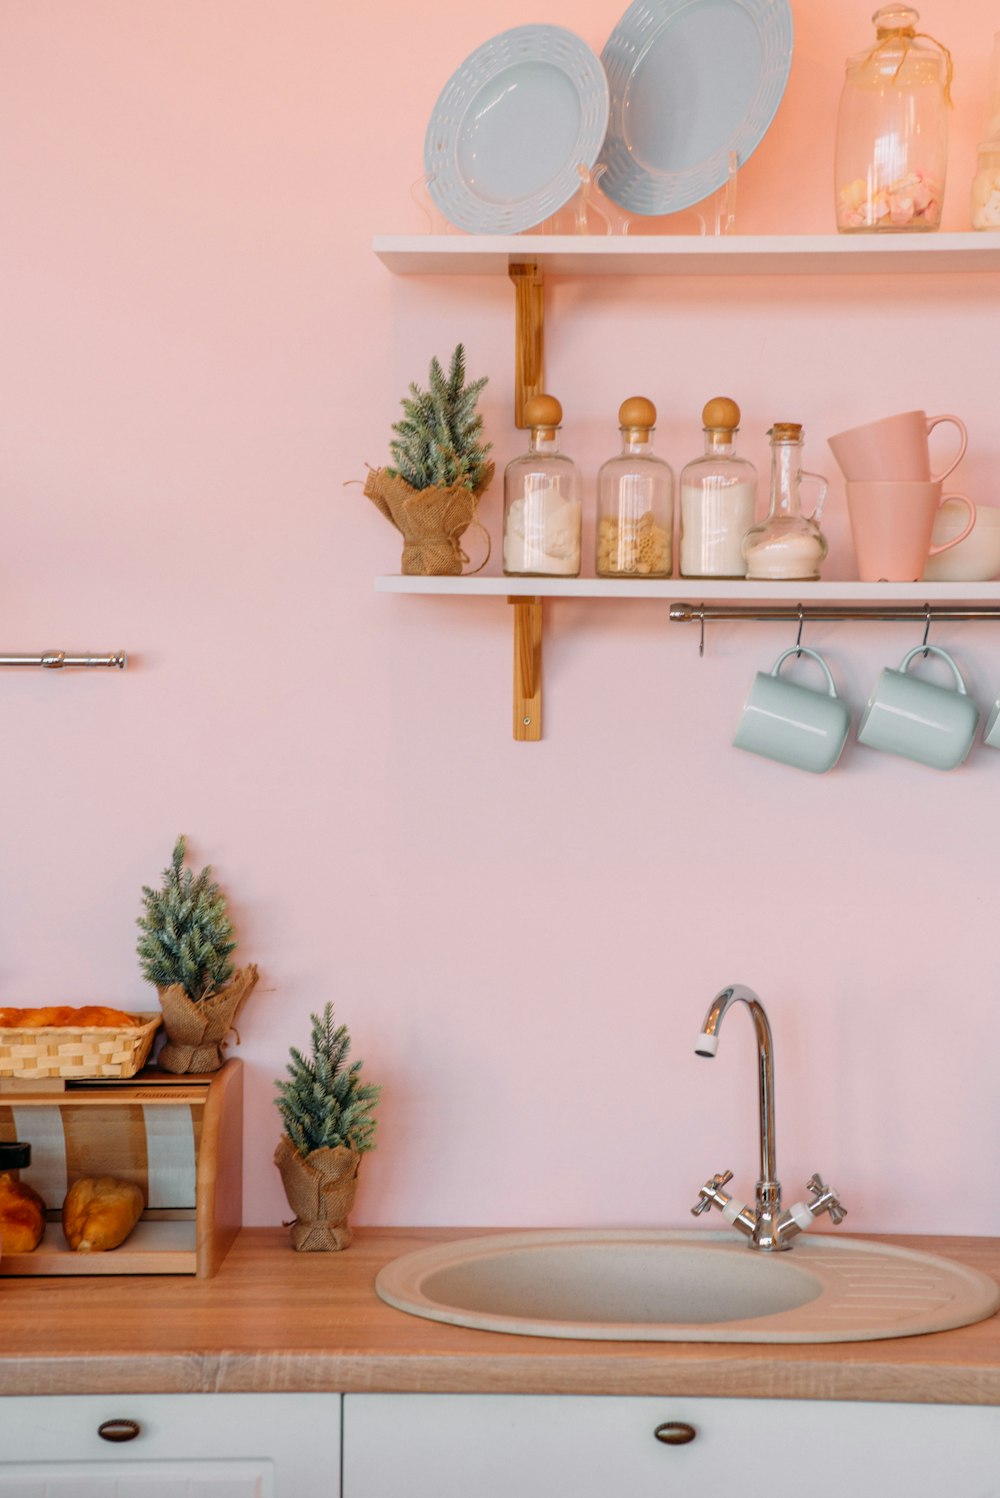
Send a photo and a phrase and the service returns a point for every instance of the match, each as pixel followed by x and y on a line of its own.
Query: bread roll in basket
pixel 91 1040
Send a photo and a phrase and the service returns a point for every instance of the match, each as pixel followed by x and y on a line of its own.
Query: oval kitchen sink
pixel 648 1286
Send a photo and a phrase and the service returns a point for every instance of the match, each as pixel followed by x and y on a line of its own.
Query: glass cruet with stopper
pixel 541 501
pixel 718 498
pixel 786 543
pixel 892 129
pixel 635 501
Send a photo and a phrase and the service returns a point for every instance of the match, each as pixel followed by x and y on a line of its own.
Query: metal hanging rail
pixel 55 659
pixel 697 613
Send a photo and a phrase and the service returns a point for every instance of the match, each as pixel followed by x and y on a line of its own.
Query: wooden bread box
pixel 180 1138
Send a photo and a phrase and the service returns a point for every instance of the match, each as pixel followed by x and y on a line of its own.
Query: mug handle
pixel 932 421
pixel 904 664
pixel 962 534
pixel 815 655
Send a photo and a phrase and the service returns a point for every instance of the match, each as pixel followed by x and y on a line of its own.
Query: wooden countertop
pixel 274 1320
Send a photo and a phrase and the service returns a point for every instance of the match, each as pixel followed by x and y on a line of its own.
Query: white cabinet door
pixel 187 1446
pixel 527 1446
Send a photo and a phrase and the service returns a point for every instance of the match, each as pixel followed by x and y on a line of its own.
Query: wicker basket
pixel 98 1051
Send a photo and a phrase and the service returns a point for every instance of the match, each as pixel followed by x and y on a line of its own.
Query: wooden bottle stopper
pixel 637 414
pixel 721 414
pixel 543 414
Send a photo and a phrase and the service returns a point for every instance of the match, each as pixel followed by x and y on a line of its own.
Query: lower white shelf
pixel 695 590
pixel 693 599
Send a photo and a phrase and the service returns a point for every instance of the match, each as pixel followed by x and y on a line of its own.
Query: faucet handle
pixel 825 1199
pixel 706 1196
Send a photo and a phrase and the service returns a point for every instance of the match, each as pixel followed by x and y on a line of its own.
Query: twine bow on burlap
pixel 431 521
pixel 320 1188
pixel 195 1032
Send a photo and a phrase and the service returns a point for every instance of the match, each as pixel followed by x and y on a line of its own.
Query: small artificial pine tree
pixel 438 442
pixel 187 936
pixel 324 1103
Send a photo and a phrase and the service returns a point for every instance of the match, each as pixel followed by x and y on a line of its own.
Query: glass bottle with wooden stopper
pixel 787 544
pixel 635 501
pixel 542 509
pixel 718 498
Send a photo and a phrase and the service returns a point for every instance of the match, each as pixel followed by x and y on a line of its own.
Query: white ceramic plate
pixel 691 81
pixel 513 126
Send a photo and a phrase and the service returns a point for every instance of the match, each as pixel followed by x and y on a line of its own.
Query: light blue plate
pixel 513 126
pixel 691 81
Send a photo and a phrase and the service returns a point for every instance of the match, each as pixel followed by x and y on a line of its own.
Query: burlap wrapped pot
pixel 195 1032
pixel 431 521
pixel 320 1188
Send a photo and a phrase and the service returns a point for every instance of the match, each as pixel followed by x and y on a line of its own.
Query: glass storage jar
pixel 892 130
pixel 985 208
pixel 787 544
pixel 992 131
pixel 635 501
pixel 718 498
pixel 541 501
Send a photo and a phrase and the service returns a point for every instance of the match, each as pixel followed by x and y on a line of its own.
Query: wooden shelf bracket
pixel 529 335
pixel 527 668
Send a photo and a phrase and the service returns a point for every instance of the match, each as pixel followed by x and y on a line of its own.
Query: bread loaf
pixel 65 1017
pixel 99 1213
pixel 22 1215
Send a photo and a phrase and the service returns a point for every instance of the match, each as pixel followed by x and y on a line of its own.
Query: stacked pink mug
pixel 892 495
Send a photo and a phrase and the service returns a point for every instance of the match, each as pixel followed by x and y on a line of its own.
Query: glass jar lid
pixel 895 18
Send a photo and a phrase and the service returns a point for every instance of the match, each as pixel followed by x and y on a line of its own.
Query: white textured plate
pixel 512 127
pixel 691 81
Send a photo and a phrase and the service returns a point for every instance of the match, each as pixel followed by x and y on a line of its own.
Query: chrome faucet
pixel 767 1226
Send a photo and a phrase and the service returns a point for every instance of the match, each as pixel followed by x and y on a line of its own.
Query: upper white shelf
pixel 696 590
pixel 654 255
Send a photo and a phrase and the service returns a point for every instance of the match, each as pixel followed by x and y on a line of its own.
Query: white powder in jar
pixel 542 532
pixel 986 198
pixel 791 557
pixel 714 519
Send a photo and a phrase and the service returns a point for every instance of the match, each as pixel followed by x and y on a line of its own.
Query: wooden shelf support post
pixel 527 668
pixel 529 339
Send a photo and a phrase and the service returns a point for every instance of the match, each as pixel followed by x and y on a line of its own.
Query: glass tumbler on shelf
pixel 718 499
pixel 787 545
pixel 892 130
pixel 635 501
pixel 541 501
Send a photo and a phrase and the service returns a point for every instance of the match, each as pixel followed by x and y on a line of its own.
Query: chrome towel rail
pixel 55 659
pixel 698 613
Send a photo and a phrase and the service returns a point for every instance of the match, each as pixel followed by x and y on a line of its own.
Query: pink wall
pixel 200 352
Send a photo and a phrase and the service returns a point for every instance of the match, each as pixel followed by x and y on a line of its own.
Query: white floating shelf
pixel 697 599
pixel 653 255
pixel 696 590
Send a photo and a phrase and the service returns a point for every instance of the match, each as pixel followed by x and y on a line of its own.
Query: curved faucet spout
pixel 708 1043
pixel 767 1226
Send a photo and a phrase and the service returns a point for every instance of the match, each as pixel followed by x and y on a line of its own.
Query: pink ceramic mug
pixel 891 527
pixel 894 449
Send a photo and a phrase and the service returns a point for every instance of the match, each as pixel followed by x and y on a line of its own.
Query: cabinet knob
pixel 119 1430
pixel 675 1433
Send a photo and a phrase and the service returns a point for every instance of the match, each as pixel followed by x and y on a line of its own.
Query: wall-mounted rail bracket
pixel 527 668
pixel 54 660
pixel 529 335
